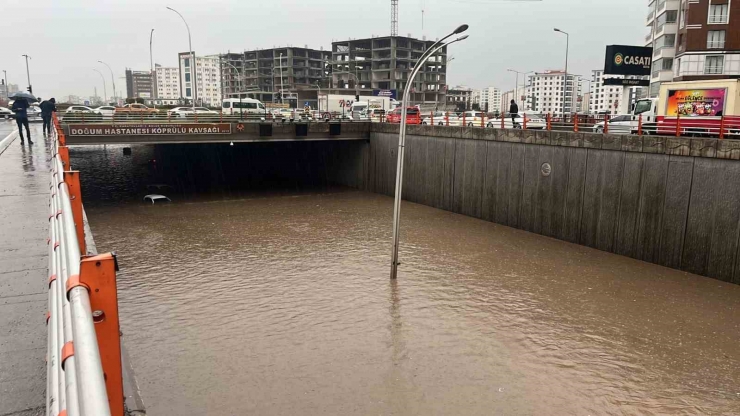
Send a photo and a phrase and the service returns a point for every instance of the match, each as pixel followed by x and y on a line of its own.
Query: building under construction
pixel 264 72
pixel 385 63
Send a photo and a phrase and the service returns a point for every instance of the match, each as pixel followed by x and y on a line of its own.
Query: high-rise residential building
pixel 475 97
pixel 385 63
pixel 708 40
pixel 139 84
pixel 168 82
pixel 662 22
pixel 544 93
pixel 200 79
pixel 490 99
pixel 609 99
pixel 269 70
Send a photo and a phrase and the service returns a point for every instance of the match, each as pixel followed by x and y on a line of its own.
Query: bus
pixel 245 106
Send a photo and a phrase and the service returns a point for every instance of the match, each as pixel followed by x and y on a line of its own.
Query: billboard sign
pixel 627 82
pixel 386 93
pixel 628 60
pixel 180 129
pixel 696 103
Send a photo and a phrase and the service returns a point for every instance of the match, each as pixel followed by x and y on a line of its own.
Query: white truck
pixel 691 108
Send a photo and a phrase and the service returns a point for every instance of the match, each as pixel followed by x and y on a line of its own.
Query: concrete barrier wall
pixel 671 201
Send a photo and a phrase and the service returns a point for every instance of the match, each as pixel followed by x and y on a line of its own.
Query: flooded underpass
pixel 237 300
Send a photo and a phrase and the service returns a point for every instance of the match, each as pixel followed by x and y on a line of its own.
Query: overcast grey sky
pixel 66 38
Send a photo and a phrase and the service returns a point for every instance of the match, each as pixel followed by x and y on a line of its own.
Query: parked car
pixel 190 112
pixel 5 112
pixel 106 111
pixel 619 124
pixel 134 110
pixel 473 118
pixel 79 109
pixel 533 122
pixel 441 118
pixel 412 116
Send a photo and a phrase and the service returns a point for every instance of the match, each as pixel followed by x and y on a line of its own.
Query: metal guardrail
pixel 84 353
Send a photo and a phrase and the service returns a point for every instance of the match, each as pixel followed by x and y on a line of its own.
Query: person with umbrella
pixel 20 108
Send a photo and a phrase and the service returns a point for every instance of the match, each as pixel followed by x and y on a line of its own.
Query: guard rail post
pixel 447 119
pixel 678 124
pixel 639 125
pixel 482 120
pixel 464 124
pixel 722 127
pixel 606 123
pixel 431 118
pixel 524 121
pixel 575 122
pixel 503 117
pixel 548 120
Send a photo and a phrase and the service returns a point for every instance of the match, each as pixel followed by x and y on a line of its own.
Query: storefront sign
pixel 627 82
pixel 148 129
pixel 694 103
pixel 386 93
pixel 628 60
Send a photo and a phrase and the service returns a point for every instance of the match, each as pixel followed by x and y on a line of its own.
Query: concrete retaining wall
pixel 671 201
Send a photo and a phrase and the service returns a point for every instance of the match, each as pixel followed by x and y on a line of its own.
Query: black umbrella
pixel 24 95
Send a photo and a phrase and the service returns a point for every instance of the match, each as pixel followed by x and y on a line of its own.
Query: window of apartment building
pixel 714 64
pixel 715 39
pixel 187 77
pixel 718 13
pixel 188 92
pixel 187 63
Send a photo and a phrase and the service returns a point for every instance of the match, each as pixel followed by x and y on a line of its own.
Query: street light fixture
pixel 241 109
pixel 105 92
pixel 402 139
pixel 193 70
pixel 565 80
pixel 113 80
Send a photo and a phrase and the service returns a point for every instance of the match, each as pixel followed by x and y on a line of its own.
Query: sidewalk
pixel 24 211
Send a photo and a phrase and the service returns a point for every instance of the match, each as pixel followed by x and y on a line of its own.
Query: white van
pixel 245 105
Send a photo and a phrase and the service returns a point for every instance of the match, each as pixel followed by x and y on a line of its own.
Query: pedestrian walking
pixel 20 108
pixel 48 107
pixel 513 111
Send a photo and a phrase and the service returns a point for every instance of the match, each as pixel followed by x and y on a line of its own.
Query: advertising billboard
pixel 696 103
pixel 628 60
pixel 386 93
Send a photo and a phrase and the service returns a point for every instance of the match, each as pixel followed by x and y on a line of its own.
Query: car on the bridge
pixel 618 124
pixel 440 118
pixel 412 116
pixel 79 109
pixel 5 112
pixel 190 112
pixel 134 111
pixel 534 122
pixel 106 111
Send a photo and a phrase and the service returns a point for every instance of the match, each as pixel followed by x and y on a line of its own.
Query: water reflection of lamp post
pixel 402 139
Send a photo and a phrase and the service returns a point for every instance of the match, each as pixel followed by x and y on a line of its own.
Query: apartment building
pixel 608 99
pixel 168 82
pixel 708 42
pixel 200 79
pixel 662 23
pixel 139 84
pixel 269 70
pixel 385 63
pixel 544 93
pixel 490 99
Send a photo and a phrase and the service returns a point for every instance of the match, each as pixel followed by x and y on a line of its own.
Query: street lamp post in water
pixel 402 139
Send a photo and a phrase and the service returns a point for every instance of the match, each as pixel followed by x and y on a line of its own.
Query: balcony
pixel 718 19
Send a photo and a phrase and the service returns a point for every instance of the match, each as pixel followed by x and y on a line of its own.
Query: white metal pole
pixel 280 65
pixel 105 91
pixel 402 142
pixel 193 68
pixel 113 80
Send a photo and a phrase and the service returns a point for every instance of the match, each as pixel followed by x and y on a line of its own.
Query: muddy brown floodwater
pixel 280 304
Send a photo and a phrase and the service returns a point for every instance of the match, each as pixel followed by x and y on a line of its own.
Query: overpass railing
pixel 717 126
pixel 84 375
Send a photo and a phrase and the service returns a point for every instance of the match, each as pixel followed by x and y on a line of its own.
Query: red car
pixel 413 116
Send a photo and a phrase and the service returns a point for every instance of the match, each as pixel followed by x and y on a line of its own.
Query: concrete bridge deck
pixel 24 198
